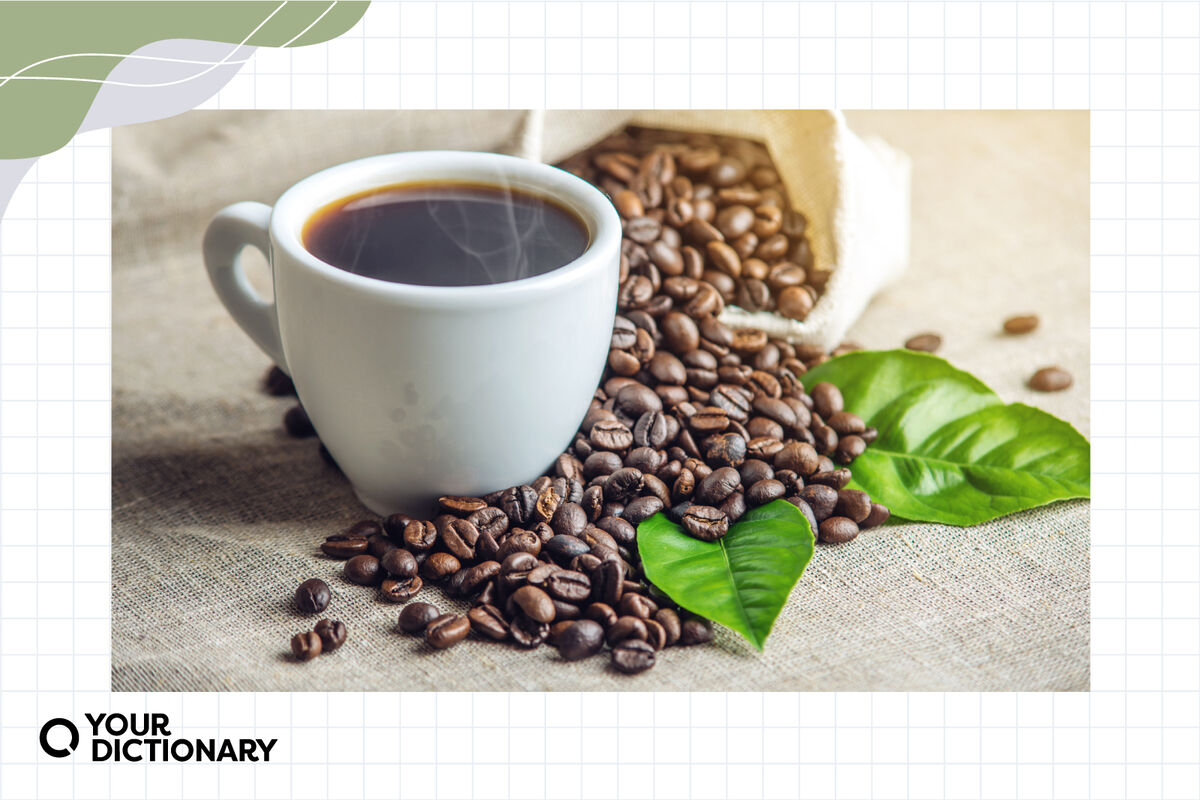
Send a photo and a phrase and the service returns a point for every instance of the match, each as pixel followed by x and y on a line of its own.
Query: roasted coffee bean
pixel 489 520
pixel 278 383
pixel 822 500
pixel 849 448
pixel 519 503
pixel 393 527
pixel 656 635
pixel 446 631
pixel 836 479
pixel 653 429
pixel 416 616
pixel 668 619
pixel 721 483
pixel 611 435
pixel 846 423
pixel 399 563
pixel 519 541
pixel 732 400
pixel 827 399
pixel 420 535
pixel 632 656
pixel 705 523
pixel 622 530
pixel 695 630
pixel 569 586
pixel 306 646
pixel 925 342
pixel 487 621
pixel 528 632
pixel 734 506
pixel 879 515
pixel 642 509
pixel 452 586
pixel 541 573
pixel 297 423
pixel 625 627
pixel 622 484
pixel 592 501
pixel 794 302
pixel 726 450
pixel 853 503
pixel 806 510
pixel 608 582
pixel 312 596
pixel 439 566
pixel 1051 379
pixel 486 547
pixel 460 506
pixel 601 613
pixel 1025 323
pixel 636 605
pixel 754 470
pixel 764 491
pixel 764 428
pixel 601 462
pixel 597 539
pixel 636 399
pixel 570 519
pixel 343 545
pixel 400 590
pixel 460 537
pixel 363 570
pixel 476 577
pixel 564 548
pixel 838 530
pixel 582 639
pixel 332 634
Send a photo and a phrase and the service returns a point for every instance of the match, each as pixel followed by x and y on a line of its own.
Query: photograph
pixel 727 400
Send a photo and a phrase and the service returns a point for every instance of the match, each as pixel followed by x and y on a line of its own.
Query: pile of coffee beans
pixel 692 418
pixel 707 222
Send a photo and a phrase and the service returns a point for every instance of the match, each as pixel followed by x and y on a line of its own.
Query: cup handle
pixel 233 229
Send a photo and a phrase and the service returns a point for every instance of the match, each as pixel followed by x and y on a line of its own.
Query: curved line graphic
pixel 288 43
pixel 17 75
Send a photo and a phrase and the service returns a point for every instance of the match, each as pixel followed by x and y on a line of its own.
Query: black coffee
pixel 445 234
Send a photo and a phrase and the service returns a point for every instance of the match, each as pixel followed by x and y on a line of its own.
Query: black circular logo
pixel 59 752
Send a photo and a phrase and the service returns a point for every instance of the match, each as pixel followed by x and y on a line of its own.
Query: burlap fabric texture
pixel 217 513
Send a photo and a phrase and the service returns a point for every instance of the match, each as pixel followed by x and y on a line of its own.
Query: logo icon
pixel 59 752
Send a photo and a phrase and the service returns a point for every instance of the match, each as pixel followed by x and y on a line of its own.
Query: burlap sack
pixel 217 513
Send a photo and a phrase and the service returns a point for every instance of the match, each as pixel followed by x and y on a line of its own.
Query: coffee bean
pixel 420 535
pixel 632 656
pixel 642 509
pixel 827 399
pixel 602 613
pixel 838 530
pixel 569 586
pixel 342 545
pixel 849 448
pixel 399 563
pixel 460 506
pixel 622 530
pixel 726 450
pixel 626 627
pixel 528 632
pixel 1051 379
pixel 297 423
pixel 486 620
pixel 446 631
pixel 926 342
pixel 636 605
pixel 332 634
pixel 306 646
pixel 879 515
pixel 764 491
pixel 1021 324
pixel 582 639
pixel 695 630
pixel 278 383
pixel 671 625
pixel 312 596
pixel 719 484
pixel 439 566
pixel 570 519
pixel 705 523
pixel 416 616
pixel 853 503
pixel 836 479
pixel 622 484
pixel 536 604
pixel 821 499
pixel 611 435
pixel 400 590
pixel 363 570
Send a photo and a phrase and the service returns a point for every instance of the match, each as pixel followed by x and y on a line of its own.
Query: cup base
pixel 381 507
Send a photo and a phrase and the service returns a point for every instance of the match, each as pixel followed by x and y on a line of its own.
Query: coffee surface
pixel 445 234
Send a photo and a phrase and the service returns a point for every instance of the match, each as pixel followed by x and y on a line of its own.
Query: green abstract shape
pixel 40 116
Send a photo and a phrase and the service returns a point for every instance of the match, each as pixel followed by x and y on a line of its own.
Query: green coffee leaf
pixel 741 580
pixel 949 449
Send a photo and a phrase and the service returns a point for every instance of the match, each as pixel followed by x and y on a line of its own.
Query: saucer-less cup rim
pixel 298 204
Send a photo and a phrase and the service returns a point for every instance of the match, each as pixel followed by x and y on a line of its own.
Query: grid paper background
pixel 1136 734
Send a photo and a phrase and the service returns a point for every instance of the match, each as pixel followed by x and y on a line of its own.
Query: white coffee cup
pixel 421 391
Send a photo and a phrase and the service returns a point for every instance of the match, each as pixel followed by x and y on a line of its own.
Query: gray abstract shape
pixel 169 77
